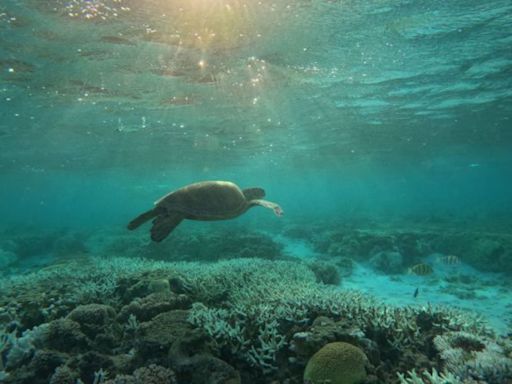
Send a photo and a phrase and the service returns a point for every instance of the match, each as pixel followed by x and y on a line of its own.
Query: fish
pixel 421 269
pixel 16 66
pixel 168 72
pixel 416 292
pixel 449 259
pixel 116 40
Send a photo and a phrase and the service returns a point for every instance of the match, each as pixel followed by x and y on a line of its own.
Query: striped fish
pixel 449 259
pixel 421 269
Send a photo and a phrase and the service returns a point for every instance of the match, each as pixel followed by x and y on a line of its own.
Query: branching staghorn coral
pixel 474 357
pixel 429 378
pixel 265 296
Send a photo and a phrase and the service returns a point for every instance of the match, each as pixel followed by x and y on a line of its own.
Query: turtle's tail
pixel 142 218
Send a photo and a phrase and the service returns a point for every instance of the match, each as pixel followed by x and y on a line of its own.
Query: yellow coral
pixel 336 363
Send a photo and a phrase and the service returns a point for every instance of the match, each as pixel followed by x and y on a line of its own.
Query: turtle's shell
pixel 207 200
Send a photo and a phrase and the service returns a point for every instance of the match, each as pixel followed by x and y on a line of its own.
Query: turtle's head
pixel 253 193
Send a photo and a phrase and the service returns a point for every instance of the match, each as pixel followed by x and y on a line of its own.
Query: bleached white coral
pixel 259 298
pixel 472 357
pixel 433 377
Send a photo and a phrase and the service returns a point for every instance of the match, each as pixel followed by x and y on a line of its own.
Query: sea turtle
pixel 205 200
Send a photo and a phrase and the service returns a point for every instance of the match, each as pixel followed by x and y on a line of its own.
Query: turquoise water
pixel 322 103
pixel 377 126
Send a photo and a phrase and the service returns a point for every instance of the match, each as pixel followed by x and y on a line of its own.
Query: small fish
pixel 415 294
pixel 116 40
pixel 16 66
pixel 168 72
pixel 421 269
pixel 449 259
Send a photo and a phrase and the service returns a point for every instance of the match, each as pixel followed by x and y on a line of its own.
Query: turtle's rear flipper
pixel 163 225
pixel 142 218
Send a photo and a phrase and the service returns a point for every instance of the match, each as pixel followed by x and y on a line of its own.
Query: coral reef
pixel 7 258
pixel 325 272
pixel 152 374
pixel 472 247
pixel 248 320
pixel 198 245
pixel 428 378
pixel 478 249
pixel 475 357
pixel 388 262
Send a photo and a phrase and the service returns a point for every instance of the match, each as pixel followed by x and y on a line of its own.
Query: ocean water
pixel 382 128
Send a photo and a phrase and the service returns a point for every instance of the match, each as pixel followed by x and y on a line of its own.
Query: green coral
pixel 336 363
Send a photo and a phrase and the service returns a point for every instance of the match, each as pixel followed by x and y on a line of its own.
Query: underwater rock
pixel 389 262
pixel 325 272
pixel 336 363
pixel 144 309
pixel 94 319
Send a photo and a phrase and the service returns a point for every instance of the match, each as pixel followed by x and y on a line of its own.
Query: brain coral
pixel 336 363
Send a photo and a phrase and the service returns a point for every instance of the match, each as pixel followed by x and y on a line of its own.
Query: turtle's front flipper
pixel 270 205
pixel 142 218
pixel 165 224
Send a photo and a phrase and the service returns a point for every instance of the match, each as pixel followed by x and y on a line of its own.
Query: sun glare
pixel 203 24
